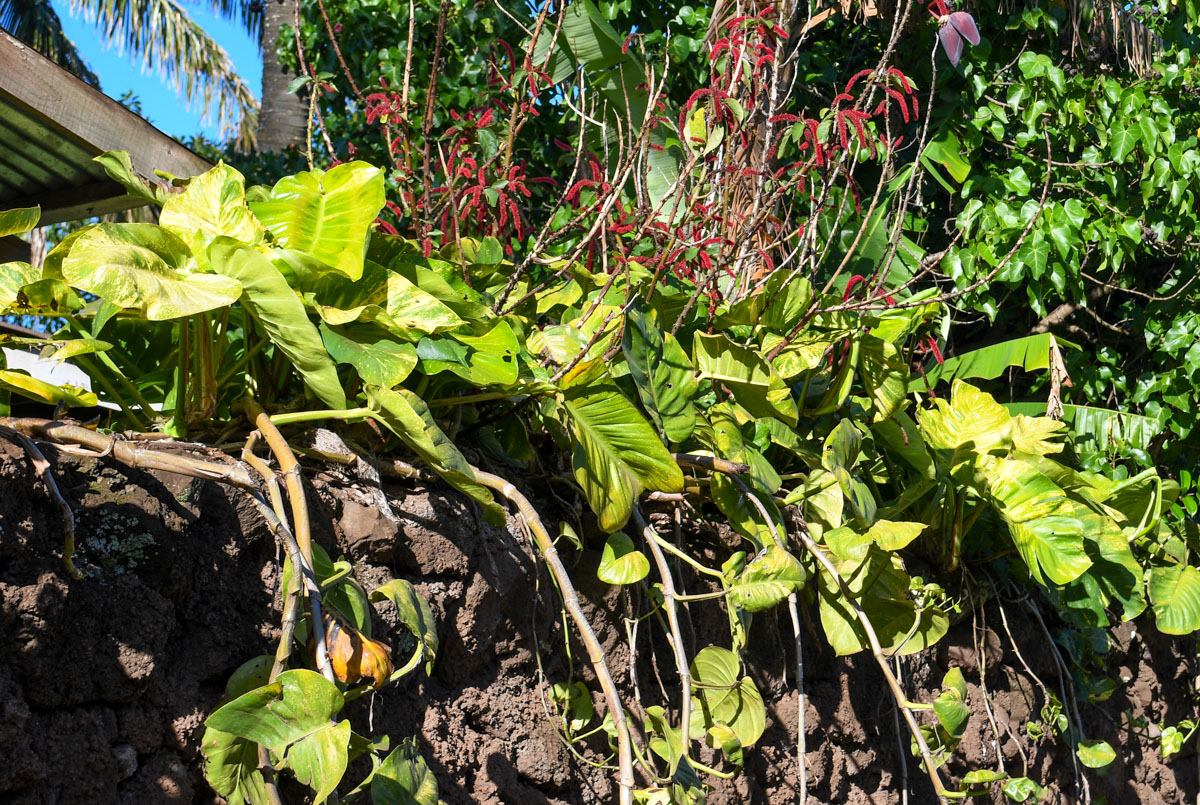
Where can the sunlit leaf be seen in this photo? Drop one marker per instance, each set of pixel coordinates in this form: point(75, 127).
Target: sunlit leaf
point(144, 267)
point(620, 562)
point(379, 359)
point(755, 386)
point(1040, 519)
point(407, 415)
point(213, 205)
point(721, 697)
point(1175, 596)
point(19, 220)
point(281, 314)
point(616, 454)
point(768, 579)
point(325, 213)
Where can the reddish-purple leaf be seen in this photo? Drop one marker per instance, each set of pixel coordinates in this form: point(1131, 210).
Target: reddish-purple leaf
point(964, 23)
point(952, 43)
point(956, 29)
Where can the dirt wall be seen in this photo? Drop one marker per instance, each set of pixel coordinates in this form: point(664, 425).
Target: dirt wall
point(105, 682)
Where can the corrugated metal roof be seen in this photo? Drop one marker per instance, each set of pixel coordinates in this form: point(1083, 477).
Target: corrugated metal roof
point(52, 125)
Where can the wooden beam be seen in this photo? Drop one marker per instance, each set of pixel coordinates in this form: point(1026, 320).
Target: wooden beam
point(77, 203)
point(85, 115)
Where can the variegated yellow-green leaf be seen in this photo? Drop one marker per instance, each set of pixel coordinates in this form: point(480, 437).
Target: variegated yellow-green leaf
point(119, 168)
point(13, 277)
point(213, 205)
point(379, 359)
point(46, 297)
point(880, 585)
point(19, 221)
point(884, 375)
point(1035, 434)
point(620, 562)
point(770, 578)
point(403, 778)
point(1040, 518)
point(755, 386)
point(970, 420)
point(615, 452)
point(415, 614)
point(486, 359)
point(292, 718)
point(281, 314)
point(22, 383)
point(407, 415)
point(722, 698)
point(662, 373)
point(146, 268)
point(231, 768)
point(325, 213)
point(1175, 595)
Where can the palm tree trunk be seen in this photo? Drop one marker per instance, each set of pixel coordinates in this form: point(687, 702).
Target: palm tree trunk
point(282, 117)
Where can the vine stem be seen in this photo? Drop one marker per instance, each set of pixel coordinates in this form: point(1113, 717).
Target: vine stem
point(586, 633)
point(42, 467)
point(669, 598)
point(880, 659)
point(289, 468)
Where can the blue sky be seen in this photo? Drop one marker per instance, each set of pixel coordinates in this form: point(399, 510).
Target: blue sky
point(160, 105)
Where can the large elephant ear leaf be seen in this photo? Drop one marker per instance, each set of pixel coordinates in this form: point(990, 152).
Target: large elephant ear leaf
point(327, 214)
point(146, 268)
point(406, 415)
point(276, 307)
point(615, 452)
point(214, 204)
point(1040, 518)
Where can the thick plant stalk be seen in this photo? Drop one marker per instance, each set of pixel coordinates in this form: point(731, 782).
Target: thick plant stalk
point(710, 463)
point(290, 469)
point(881, 660)
point(681, 661)
point(126, 453)
point(586, 634)
point(42, 467)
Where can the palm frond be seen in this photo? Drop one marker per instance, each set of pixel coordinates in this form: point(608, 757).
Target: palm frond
point(246, 12)
point(168, 40)
point(36, 23)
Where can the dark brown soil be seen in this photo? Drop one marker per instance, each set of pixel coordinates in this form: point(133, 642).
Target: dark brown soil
point(105, 682)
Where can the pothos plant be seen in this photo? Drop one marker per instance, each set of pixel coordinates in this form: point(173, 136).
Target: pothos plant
point(719, 312)
point(290, 295)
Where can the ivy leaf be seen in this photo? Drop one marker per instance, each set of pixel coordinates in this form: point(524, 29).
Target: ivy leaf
point(1122, 140)
point(620, 562)
point(951, 704)
point(403, 778)
point(662, 373)
point(415, 614)
point(884, 375)
point(615, 452)
point(18, 382)
point(292, 718)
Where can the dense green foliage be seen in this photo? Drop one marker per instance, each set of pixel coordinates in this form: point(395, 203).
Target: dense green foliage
point(733, 296)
